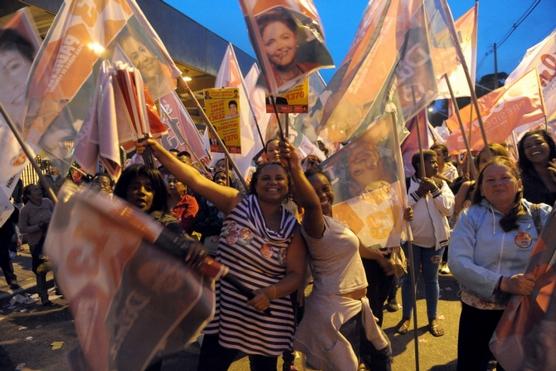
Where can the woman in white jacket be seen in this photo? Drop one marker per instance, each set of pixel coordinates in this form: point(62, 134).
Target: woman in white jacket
point(489, 251)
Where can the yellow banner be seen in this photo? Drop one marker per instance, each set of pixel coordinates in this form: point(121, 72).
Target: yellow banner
point(294, 100)
point(222, 108)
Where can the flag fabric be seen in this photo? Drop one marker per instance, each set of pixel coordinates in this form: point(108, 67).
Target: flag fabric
point(308, 123)
point(257, 96)
point(467, 30)
point(130, 300)
point(229, 76)
point(120, 115)
point(526, 333)
point(288, 39)
point(400, 47)
point(62, 79)
point(368, 191)
point(410, 145)
point(502, 110)
point(182, 132)
point(542, 57)
point(22, 31)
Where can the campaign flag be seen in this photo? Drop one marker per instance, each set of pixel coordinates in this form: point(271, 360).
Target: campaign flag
point(120, 115)
point(182, 132)
point(130, 300)
point(526, 333)
point(502, 110)
point(542, 57)
point(63, 76)
point(400, 46)
point(368, 191)
point(288, 38)
point(230, 76)
point(20, 30)
point(466, 28)
point(257, 97)
point(410, 145)
point(308, 123)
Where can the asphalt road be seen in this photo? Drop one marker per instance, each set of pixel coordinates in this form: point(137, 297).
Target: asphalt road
point(33, 337)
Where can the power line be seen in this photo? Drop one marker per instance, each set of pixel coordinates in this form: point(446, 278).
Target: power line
point(514, 27)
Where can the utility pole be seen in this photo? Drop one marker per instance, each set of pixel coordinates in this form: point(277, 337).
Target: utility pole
point(495, 67)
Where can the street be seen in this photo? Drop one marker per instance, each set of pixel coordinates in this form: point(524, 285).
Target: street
point(33, 337)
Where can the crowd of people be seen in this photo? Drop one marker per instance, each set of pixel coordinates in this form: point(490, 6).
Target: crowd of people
point(317, 289)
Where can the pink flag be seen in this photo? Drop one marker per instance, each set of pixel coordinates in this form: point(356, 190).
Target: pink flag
point(410, 145)
point(130, 300)
point(288, 38)
point(502, 110)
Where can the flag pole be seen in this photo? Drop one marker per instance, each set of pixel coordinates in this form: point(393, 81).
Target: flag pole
point(460, 122)
point(213, 130)
point(461, 58)
point(409, 236)
point(28, 153)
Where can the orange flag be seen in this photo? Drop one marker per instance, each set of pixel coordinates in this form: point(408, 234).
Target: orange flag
point(62, 79)
point(503, 110)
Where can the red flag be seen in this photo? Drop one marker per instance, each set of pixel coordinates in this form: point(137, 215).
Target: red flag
point(288, 38)
point(130, 300)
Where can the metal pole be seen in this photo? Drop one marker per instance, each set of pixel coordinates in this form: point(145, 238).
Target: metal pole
point(213, 130)
point(461, 57)
point(460, 122)
point(28, 153)
point(409, 236)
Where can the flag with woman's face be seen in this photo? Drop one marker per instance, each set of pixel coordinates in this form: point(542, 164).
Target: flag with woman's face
point(62, 79)
point(288, 38)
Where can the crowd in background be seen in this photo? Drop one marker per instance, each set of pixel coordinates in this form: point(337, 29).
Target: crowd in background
point(279, 237)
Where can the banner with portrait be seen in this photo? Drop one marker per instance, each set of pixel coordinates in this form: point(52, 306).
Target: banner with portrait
point(288, 39)
point(368, 192)
point(222, 108)
point(62, 79)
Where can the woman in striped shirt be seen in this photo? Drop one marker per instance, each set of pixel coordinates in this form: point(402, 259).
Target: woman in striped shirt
point(261, 245)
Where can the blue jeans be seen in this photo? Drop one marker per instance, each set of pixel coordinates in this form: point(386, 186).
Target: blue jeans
point(427, 260)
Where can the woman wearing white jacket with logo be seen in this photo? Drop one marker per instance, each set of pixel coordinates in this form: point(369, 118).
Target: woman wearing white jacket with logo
point(489, 251)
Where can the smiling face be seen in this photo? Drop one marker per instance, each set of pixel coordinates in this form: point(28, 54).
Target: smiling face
point(14, 69)
point(323, 188)
point(280, 43)
point(143, 60)
point(272, 184)
point(536, 149)
point(500, 185)
point(140, 193)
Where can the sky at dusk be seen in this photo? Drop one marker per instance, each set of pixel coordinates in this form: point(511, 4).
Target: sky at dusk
point(341, 18)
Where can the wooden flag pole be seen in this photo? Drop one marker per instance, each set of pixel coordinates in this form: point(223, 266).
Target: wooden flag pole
point(213, 130)
point(453, 34)
point(409, 236)
point(28, 153)
point(460, 122)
